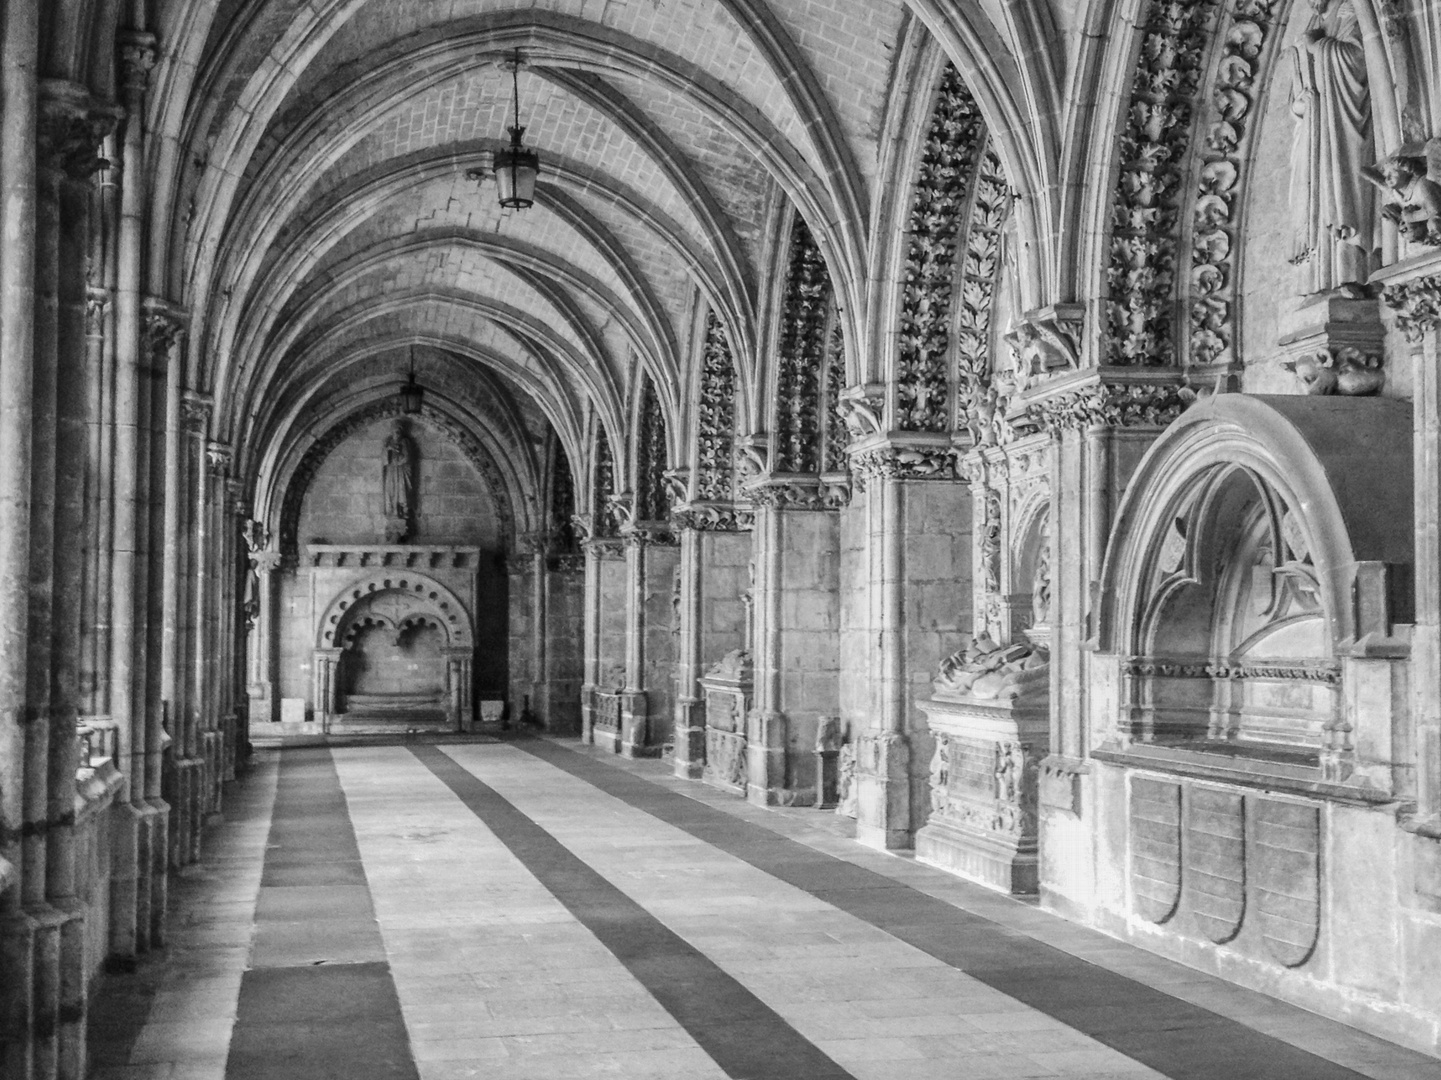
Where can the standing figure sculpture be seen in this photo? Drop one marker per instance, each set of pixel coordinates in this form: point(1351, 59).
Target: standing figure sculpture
point(397, 476)
point(1331, 203)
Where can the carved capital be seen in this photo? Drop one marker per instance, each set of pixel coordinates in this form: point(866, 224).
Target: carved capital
point(1112, 404)
point(137, 58)
point(218, 455)
point(195, 411)
point(164, 324)
point(902, 462)
point(790, 493)
point(69, 128)
point(266, 562)
point(713, 517)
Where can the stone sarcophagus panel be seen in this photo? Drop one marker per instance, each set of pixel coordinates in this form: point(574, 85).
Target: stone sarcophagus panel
point(727, 690)
point(983, 791)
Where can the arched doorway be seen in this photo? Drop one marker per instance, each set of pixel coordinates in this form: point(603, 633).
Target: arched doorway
point(396, 647)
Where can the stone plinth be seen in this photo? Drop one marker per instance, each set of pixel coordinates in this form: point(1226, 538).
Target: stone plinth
point(727, 690)
point(983, 789)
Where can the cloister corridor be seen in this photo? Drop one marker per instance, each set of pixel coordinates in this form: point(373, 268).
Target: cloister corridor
point(533, 910)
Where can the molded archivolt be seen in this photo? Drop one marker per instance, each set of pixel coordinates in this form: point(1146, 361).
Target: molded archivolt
point(425, 602)
point(1339, 469)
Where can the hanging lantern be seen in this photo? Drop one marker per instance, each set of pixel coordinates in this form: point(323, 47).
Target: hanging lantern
point(516, 167)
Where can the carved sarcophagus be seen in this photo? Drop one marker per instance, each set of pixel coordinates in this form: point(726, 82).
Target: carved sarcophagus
point(989, 719)
point(727, 689)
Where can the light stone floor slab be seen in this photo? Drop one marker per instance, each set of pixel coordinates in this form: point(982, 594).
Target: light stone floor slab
point(839, 981)
point(496, 979)
point(187, 1026)
point(834, 835)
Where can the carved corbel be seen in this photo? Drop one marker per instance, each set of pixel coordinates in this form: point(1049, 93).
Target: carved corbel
point(752, 457)
point(69, 128)
point(863, 409)
point(1047, 341)
point(218, 454)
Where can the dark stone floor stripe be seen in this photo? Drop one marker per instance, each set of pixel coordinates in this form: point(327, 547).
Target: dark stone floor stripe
point(318, 1000)
point(1174, 1037)
point(743, 1035)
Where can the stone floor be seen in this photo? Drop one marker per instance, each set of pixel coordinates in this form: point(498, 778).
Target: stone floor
point(535, 911)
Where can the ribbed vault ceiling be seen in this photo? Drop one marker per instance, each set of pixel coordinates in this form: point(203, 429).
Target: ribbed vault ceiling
point(320, 215)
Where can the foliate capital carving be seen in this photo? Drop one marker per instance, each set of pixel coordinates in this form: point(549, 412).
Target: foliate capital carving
point(797, 493)
point(1112, 405)
point(163, 326)
point(1417, 304)
point(218, 454)
point(714, 517)
point(195, 412)
point(137, 59)
point(69, 127)
point(900, 462)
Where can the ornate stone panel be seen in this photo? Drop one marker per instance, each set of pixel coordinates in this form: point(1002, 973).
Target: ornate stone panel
point(716, 417)
point(801, 359)
point(1215, 855)
point(1146, 213)
point(956, 139)
point(1286, 853)
point(978, 395)
point(1155, 827)
point(652, 500)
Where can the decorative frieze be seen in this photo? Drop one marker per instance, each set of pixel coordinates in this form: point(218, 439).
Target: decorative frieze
point(713, 517)
point(954, 142)
point(1115, 405)
point(905, 461)
point(715, 416)
point(1214, 242)
point(1146, 214)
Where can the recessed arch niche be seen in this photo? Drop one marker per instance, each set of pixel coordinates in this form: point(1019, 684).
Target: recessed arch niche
point(1251, 552)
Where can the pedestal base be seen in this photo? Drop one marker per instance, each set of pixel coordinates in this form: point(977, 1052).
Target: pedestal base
point(987, 858)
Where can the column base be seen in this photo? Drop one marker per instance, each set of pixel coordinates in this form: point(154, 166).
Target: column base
point(1004, 863)
point(883, 791)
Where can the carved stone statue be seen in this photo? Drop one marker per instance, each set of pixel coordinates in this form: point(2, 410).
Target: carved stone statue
point(1411, 199)
point(986, 671)
point(397, 475)
point(1333, 218)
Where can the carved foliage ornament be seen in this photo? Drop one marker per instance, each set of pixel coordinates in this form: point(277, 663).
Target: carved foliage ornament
point(1218, 198)
point(563, 535)
point(652, 500)
point(1112, 406)
point(1145, 218)
point(836, 414)
point(1417, 304)
point(979, 401)
point(603, 524)
point(802, 360)
point(716, 416)
point(954, 142)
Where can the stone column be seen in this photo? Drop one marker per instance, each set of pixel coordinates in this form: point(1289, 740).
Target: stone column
point(130, 916)
point(17, 328)
point(189, 761)
point(634, 715)
point(460, 709)
point(797, 639)
point(564, 651)
point(264, 688)
point(1412, 289)
point(323, 687)
point(606, 626)
point(715, 578)
point(908, 537)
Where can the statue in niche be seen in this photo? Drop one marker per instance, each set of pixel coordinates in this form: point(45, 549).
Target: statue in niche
point(1333, 233)
point(397, 476)
point(1410, 198)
